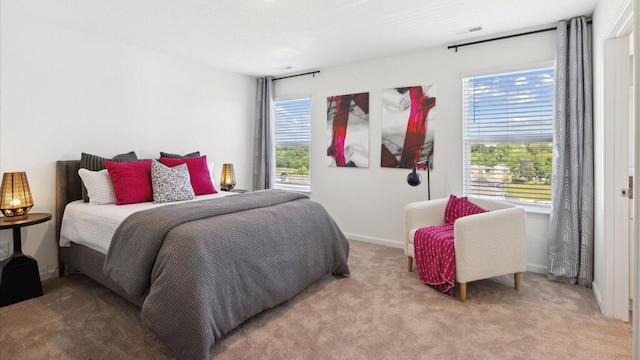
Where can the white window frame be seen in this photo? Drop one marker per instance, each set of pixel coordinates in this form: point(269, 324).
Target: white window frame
point(543, 208)
point(292, 186)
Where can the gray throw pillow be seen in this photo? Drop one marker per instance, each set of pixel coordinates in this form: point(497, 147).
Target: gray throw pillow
point(176, 156)
point(96, 163)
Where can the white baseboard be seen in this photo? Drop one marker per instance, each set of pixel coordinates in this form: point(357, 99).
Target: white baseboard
point(540, 269)
point(375, 240)
point(595, 287)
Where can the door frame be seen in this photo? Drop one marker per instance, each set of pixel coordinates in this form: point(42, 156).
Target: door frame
point(614, 296)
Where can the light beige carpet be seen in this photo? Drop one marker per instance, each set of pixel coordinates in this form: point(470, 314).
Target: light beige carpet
point(380, 312)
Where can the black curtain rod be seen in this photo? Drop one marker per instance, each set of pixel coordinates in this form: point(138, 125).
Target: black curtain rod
point(504, 37)
point(290, 76)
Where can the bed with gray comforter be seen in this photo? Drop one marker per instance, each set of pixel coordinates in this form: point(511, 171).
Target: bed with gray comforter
point(211, 266)
point(208, 266)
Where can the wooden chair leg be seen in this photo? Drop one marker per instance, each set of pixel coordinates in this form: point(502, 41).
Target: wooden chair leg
point(463, 292)
point(516, 281)
point(410, 264)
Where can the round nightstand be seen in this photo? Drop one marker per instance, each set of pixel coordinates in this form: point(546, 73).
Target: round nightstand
point(20, 276)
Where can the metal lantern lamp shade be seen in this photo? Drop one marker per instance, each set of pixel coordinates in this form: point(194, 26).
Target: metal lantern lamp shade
point(228, 178)
point(16, 200)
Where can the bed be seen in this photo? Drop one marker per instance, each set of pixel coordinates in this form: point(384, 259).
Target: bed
point(198, 269)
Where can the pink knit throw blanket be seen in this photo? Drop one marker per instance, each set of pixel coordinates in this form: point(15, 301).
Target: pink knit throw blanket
point(435, 258)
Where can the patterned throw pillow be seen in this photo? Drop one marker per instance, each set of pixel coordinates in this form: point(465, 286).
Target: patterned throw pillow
point(96, 163)
point(170, 183)
point(99, 186)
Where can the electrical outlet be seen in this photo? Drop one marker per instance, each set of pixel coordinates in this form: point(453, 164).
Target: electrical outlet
point(4, 249)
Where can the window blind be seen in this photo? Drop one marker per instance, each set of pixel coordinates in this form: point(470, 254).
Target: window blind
point(508, 134)
point(293, 139)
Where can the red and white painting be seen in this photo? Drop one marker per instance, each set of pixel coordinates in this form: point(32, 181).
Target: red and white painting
point(408, 126)
point(348, 130)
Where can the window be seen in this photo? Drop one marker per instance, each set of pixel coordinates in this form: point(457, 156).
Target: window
point(508, 124)
point(293, 141)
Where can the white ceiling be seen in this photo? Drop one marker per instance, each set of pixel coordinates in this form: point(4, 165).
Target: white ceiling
point(275, 37)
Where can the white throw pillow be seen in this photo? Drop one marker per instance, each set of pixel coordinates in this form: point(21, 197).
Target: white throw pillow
point(99, 186)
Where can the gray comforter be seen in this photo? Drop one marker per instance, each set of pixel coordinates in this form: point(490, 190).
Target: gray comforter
point(208, 266)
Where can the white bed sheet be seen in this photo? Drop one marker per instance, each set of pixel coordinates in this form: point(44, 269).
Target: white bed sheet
point(93, 225)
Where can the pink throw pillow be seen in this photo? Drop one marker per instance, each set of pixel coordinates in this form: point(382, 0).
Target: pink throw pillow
point(466, 208)
point(449, 212)
point(198, 171)
point(131, 181)
point(460, 207)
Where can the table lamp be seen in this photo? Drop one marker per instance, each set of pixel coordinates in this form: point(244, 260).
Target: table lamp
point(228, 178)
point(15, 200)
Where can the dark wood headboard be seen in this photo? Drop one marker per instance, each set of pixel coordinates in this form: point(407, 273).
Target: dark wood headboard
point(68, 189)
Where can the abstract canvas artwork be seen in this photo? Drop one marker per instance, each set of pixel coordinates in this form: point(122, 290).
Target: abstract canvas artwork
point(408, 124)
point(348, 130)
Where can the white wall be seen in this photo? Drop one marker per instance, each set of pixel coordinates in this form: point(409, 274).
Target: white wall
point(368, 203)
point(65, 92)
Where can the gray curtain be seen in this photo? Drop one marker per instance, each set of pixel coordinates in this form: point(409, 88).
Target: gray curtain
point(264, 156)
point(570, 245)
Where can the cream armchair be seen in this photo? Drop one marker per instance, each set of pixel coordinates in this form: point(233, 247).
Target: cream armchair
point(486, 245)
